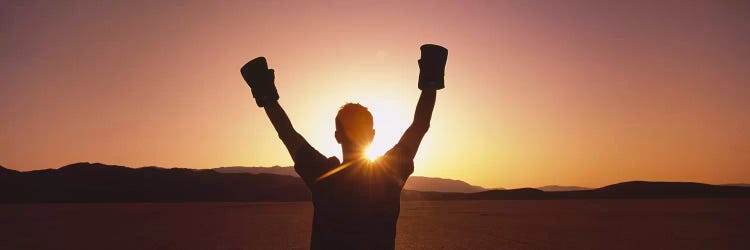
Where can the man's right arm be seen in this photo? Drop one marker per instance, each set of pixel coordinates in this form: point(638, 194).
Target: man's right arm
point(291, 139)
point(261, 81)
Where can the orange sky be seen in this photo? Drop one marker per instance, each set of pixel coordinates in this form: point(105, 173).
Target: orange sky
point(538, 92)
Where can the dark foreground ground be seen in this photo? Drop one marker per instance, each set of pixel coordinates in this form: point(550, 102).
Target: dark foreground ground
point(551, 224)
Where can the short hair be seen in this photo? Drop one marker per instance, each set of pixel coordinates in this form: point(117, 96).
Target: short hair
point(355, 121)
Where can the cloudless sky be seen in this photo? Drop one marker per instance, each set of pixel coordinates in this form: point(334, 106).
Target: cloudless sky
point(537, 92)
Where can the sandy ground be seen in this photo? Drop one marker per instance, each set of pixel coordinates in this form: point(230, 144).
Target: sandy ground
point(564, 224)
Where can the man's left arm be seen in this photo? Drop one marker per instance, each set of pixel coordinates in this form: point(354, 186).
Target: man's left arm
point(431, 79)
point(413, 136)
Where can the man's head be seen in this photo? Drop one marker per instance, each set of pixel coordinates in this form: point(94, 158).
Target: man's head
point(354, 126)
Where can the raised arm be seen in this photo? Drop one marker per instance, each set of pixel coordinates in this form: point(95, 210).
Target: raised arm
point(421, 123)
point(292, 140)
point(431, 79)
point(261, 81)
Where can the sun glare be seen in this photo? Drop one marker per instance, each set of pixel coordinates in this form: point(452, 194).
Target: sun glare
point(391, 113)
point(389, 124)
point(371, 154)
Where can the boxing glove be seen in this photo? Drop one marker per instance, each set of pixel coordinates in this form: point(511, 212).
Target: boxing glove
point(261, 80)
point(432, 67)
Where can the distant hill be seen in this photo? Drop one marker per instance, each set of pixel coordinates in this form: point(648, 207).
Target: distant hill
point(418, 183)
point(510, 194)
point(556, 188)
point(4, 170)
point(647, 189)
point(96, 182)
point(421, 183)
point(625, 190)
point(737, 184)
point(258, 170)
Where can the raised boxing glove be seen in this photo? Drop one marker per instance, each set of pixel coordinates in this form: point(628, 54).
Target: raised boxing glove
point(432, 67)
point(261, 80)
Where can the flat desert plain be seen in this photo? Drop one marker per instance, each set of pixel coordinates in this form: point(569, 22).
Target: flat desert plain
point(506, 224)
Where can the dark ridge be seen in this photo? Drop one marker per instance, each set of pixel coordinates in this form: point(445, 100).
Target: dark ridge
point(96, 182)
point(258, 170)
point(435, 184)
point(556, 188)
point(418, 183)
point(736, 185)
point(4, 170)
point(509, 194)
point(421, 195)
point(648, 189)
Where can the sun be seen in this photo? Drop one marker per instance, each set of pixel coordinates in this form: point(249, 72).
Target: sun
point(389, 124)
point(372, 154)
point(392, 115)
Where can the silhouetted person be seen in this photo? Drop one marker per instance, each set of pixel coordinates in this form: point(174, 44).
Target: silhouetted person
point(356, 201)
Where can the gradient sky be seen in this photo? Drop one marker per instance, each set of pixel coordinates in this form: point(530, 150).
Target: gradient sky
point(538, 92)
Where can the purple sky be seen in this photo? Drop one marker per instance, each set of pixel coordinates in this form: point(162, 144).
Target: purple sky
point(538, 92)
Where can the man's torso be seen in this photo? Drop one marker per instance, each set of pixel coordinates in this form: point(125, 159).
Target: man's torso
point(358, 205)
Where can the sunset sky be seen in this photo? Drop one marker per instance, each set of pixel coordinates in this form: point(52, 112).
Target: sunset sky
point(582, 93)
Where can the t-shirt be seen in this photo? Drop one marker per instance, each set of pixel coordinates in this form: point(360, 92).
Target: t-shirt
point(356, 203)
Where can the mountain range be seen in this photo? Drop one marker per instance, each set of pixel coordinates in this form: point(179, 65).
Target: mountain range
point(556, 188)
point(96, 182)
point(417, 183)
